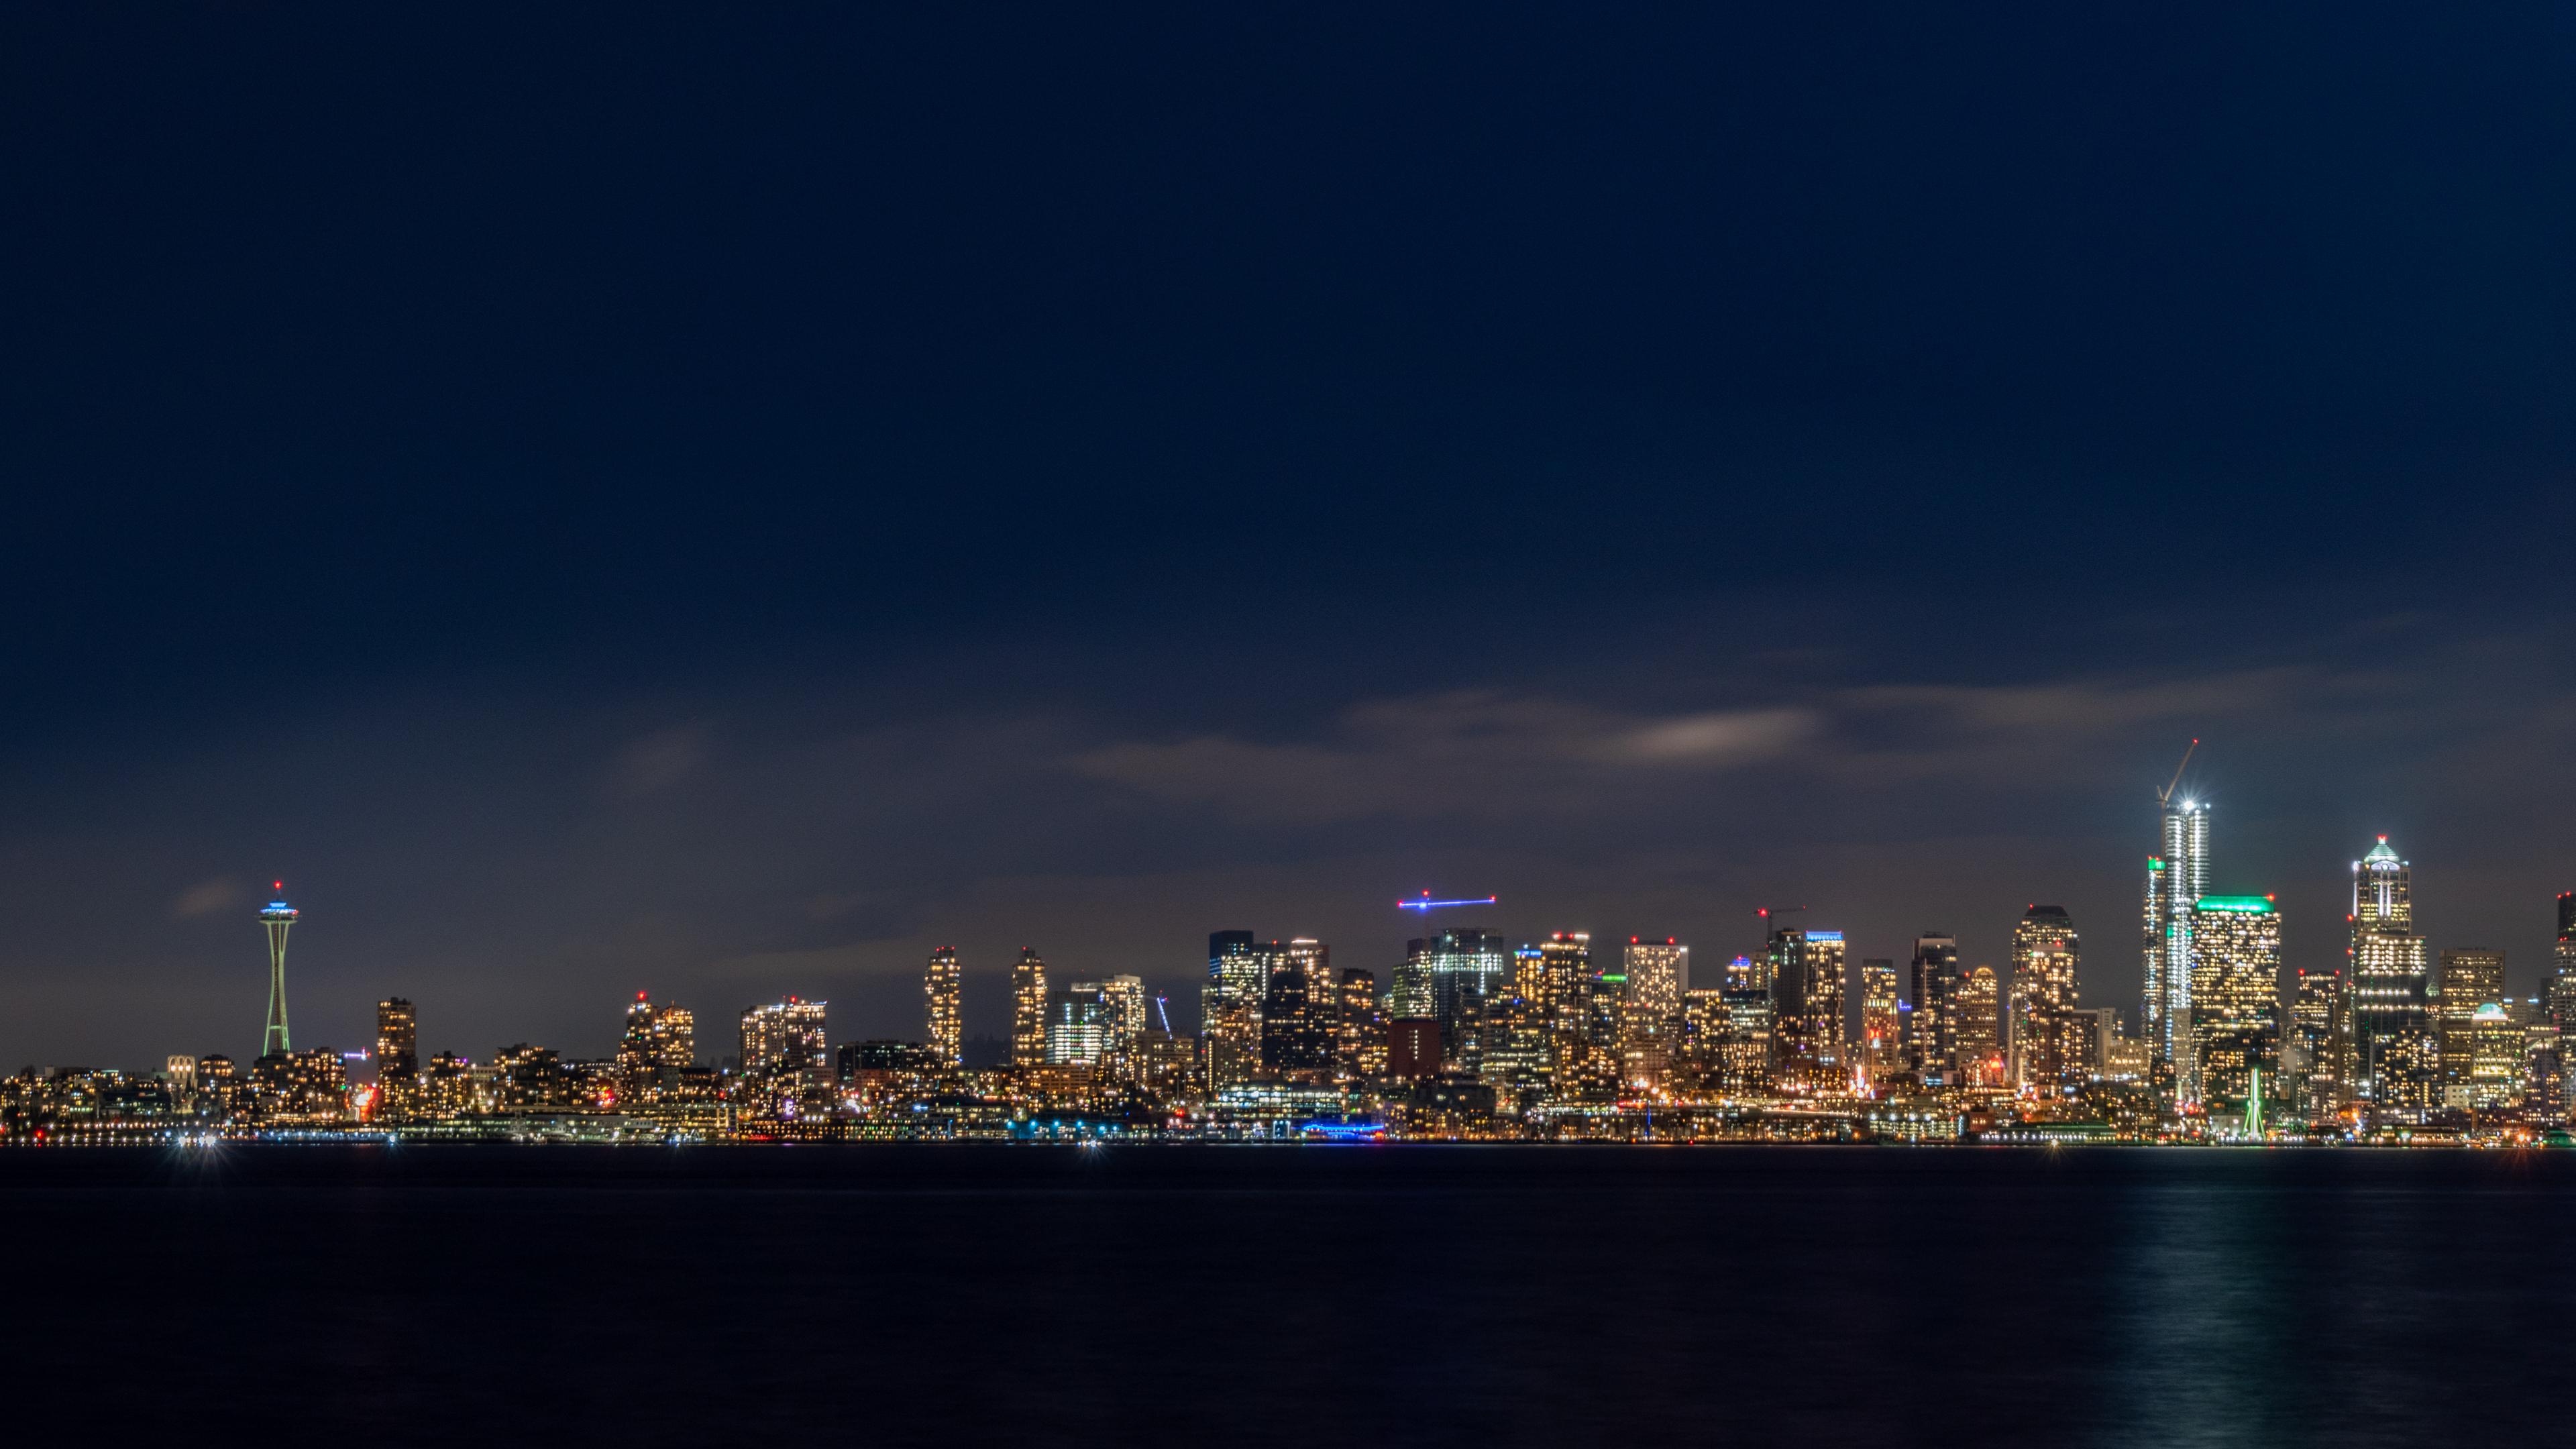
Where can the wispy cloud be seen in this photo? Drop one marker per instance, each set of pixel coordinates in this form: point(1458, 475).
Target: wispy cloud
point(207, 897)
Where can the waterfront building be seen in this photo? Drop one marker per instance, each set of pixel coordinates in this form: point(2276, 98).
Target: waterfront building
point(1028, 1009)
point(1806, 972)
point(1931, 1012)
point(1978, 1029)
point(1300, 1012)
point(2235, 1000)
point(2464, 982)
point(2044, 956)
point(943, 988)
point(2395, 1054)
point(1881, 1054)
point(2177, 877)
point(300, 1089)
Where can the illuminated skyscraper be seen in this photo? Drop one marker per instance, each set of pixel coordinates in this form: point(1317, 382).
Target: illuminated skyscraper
point(1467, 967)
point(1806, 970)
point(1978, 1027)
point(1125, 997)
point(2395, 1058)
point(397, 1042)
point(276, 917)
point(2468, 981)
point(2235, 1000)
point(1028, 1009)
point(2176, 880)
point(1080, 1026)
point(1230, 1007)
point(2312, 1044)
point(1300, 1011)
point(1359, 1050)
point(1881, 1055)
point(1931, 1013)
point(2560, 995)
point(943, 992)
point(786, 1039)
point(1657, 973)
point(2044, 1038)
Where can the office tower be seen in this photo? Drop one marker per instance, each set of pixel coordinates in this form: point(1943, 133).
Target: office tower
point(276, 918)
point(2559, 996)
point(1079, 1025)
point(785, 1039)
point(1125, 997)
point(1931, 1014)
point(2095, 1041)
point(1359, 1050)
point(943, 989)
point(397, 1043)
point(2235, 1001)
point(1657, 973)
point(675, 1038)
point(1028, 1009)
point(2176, 879)
point(1806, 970)
point(2312, 1044)
point(1880, 1053)
point(2495, 1058)
point(2395, 1058)
point(2045, 951)
point(1979, 1028)
point(1230, 1007)
point(1726, 1042)
point(1467, 967)
point(2466, 981)
point(1413, 999)
point(1300, 1011)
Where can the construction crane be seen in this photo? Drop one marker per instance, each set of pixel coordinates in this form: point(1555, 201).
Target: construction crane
point(1767, 912)
point(1165, 1012)
point(2164, 798)
point(1426, 904)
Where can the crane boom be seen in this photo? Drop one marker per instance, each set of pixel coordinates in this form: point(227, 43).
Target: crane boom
point(2166, 797)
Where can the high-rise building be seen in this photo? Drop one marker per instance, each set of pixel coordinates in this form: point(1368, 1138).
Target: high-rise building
point(1806, 970)
point(1359, 1049)
point(2559, 997)
point(1979, 1028)
point(1650, 1016)
point(276, 917)
point(397, 1043)
point(1931, 1013)
point(1028, 1009)
point(1881, 1055)
point(1467, 967)
point(786, 1039)
point(2176, 879)
point(2395, 1056)
point(2495, 1052)
point(1230, 1007)
point(2466, 981)
point(1301, 1011)
point(2312, 1044)
point(1081, 1023)
point(2235, 1000)
point(2044, 1040)
point(943, 992)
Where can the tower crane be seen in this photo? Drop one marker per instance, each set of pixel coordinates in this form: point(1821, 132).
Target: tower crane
point(2164, 797)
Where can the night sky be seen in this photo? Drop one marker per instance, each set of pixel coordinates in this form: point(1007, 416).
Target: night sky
point(721, 501)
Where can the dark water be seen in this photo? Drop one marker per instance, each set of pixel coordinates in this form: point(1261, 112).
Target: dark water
point(1319, 1296)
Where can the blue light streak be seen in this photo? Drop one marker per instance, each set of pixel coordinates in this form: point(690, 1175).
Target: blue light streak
point(1432, 905)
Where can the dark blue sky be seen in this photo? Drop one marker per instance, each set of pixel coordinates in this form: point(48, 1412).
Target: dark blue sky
point(721, 502)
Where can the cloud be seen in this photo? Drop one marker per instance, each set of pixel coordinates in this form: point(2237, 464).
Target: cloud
point(1471, 752)
point(657, 762)
point(207, 897)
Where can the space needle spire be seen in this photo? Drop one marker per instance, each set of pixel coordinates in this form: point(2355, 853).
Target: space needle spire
point(276, 917)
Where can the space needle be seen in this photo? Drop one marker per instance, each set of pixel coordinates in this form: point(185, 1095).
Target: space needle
point(276, 917)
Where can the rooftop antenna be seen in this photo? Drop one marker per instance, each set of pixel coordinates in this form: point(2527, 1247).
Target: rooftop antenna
point(2165, 798)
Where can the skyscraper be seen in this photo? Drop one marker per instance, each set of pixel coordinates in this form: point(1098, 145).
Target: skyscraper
point(1230, 1007)
point(2560, 995)
point(1300, 1012)
point(1079, 1026)
point(1978, 1027)
point(2312, 1044)
point(276, 917)
point(1359, 1049)
point(2176, 880)
point(943, 992)
point(1881, 1056)
point(397, 1043)
point(1028, 1009)
point(1658, 972)
point(2235, 1000)
point(2395, 1059)
point(1806, 970)
point(1466, 967)
point(2045, 1050)
point(784, 1039)
point(2468, 980)
point(1931, 1015)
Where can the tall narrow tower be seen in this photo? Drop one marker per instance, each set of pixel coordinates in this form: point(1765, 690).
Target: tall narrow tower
point(277, 917)
point(940, 987)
